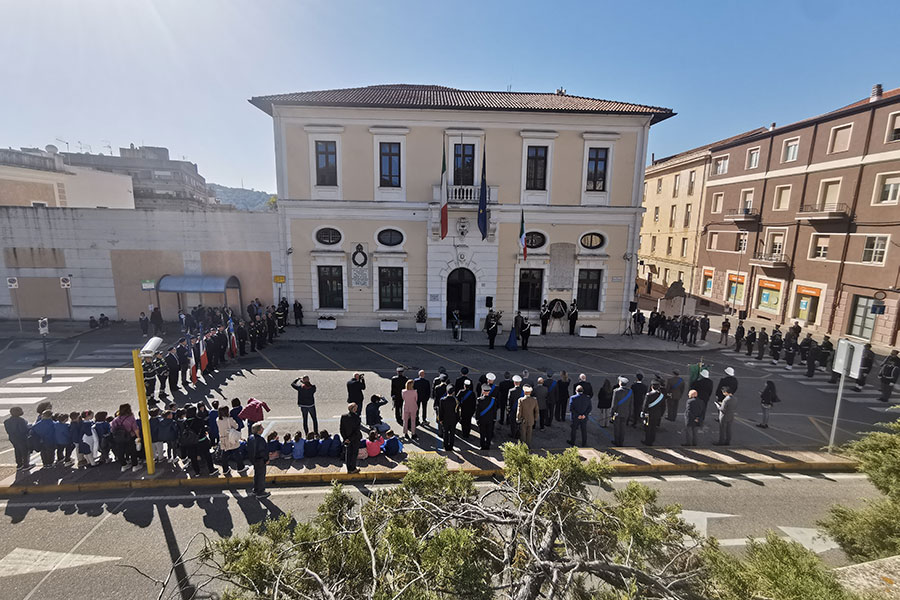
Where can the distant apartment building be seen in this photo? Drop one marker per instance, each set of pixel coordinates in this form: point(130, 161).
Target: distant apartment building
point(159, 182)
point(802, 222)
point(39, 178)
point(673, 207)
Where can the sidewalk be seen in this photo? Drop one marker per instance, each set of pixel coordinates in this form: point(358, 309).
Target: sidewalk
point(627, 461)
point(60, 329)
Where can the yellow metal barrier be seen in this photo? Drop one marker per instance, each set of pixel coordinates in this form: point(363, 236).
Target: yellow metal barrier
point(143, 411)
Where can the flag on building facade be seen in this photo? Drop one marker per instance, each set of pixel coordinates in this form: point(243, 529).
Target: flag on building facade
point(522, 236)
point(445, 210)
point(482, 199)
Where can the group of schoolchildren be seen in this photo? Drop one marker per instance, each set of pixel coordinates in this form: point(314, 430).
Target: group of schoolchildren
point(322, 444)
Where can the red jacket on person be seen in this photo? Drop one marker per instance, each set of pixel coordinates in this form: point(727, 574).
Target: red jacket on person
point(254, 410)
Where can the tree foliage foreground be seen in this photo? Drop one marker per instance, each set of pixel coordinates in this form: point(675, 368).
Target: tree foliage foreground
point(539, 533)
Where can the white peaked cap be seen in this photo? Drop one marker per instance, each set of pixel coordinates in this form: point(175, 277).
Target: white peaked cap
point(729, 371)
point(491, 377)
point(467, 382)
point(517, 379)
point(704, 373)
point(623, 380)
point(526, 389)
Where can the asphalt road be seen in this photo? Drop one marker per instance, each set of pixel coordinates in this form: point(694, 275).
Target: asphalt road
point(94, 372)
point(49, 548)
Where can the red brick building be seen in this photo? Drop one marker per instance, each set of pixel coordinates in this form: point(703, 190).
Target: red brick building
point(802, 222)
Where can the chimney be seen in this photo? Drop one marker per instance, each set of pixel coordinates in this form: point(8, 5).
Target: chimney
point(652, 158)
point(560, 91)
point(876, 93)
point(772, 126)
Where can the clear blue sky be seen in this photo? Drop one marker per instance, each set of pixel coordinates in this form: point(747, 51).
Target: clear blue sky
point(178, 73)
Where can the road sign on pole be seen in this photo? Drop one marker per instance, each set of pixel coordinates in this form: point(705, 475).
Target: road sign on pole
point(847, 361)
point(12, 283)
point(65, 282)
point(148, 285)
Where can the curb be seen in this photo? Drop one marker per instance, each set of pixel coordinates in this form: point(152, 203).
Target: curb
point(388, 475)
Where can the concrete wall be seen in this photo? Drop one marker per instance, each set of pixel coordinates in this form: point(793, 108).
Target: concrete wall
point(107, 254)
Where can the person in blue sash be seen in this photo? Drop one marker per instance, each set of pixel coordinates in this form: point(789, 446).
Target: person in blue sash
point(621, 407)
point(652, 412)
point(486, 412)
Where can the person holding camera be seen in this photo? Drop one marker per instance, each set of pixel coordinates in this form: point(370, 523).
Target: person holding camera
point(355, 388)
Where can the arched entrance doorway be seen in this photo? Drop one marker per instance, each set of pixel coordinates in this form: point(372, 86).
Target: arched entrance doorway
point(461, 296)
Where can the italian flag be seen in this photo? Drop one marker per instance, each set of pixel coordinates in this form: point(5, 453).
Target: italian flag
point(445, 211)
point(522, 236)
point(193, 364)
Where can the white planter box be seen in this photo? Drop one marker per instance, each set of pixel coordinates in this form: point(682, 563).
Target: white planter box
point(535, 329)
point(390, 325)
point(420, 327)
point(585, 331)
point(326, 323)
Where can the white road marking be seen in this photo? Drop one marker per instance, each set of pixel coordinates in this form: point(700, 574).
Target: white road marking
point(77, 342)
point(23, 400)
point(35, 390)
point(811, 539)
point(21, 561)
point(6, 347)
point(72, 371)
point(700, 519)
point(32, 380)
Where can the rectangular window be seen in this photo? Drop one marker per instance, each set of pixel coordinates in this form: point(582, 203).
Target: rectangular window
point(588, 297)
point(331, 287)
point(464, 164)
point(782, 197)
point(684, 244)
point(666, 276)
point(531, 288)
point(656, 214)
point(673, 214)
point(680, 275)
point(596, 169)
point(752, 158)
point(790, 150)
point(713, 241)
point(687, 215)
point(775, 243)
point(652, 243)
point(820, 247)
point(669, 247)
point(326, 163)
point(746, 199)
point(720, 165)
point(536, 168)
point(829, 194)
point(862, 321)
point(692, 176)
point(659, 185)
point(390, 288)
point(893, 131)
point(890, 190)
point(717, 201)
point(677, 185)
point(707, 284)
point(390, 164)
point(876, 246)
point(840, 139)
point(741, 242)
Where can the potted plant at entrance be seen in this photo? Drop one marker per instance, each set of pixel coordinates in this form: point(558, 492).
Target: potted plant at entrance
point(421, 318)
point(326, 322)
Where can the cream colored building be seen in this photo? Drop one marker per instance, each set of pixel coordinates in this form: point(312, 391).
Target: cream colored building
point(39, 178)
point(359, 174)
point(673, 205)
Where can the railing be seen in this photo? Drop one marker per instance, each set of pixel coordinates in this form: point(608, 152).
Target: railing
point(829, 207)
point(465, 194)
point(742, 212)
point(770, 257)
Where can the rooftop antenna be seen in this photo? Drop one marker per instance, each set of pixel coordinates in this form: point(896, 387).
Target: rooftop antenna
point(108, 146)
point(62, 141)
point(508, 87)
point(80, 146)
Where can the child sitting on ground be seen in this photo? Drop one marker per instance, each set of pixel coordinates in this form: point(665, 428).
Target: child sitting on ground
point(373, 444)
point(274, 446)
point(311, 445)
point(299, 446)
point(324, 443)
point(392, 444)
point(287, 447)
point(373, 413)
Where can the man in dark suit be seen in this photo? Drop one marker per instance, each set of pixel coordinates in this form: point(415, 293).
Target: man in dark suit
point(258, 453)
point(639, 390)
point(447, 417)
point(350, 432)
point(184, 360)
point(355, 389)
point(241, 334)
point(423, 393)
point(573, 316)
point(398, 384)
point(173, 369)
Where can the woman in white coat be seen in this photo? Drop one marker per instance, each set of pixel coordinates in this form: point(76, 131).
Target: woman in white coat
point(229, 441)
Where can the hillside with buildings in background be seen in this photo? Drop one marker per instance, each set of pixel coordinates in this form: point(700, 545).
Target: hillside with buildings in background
point(242, 198)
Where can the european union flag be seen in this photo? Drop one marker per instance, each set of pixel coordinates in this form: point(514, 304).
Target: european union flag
point(482, 200)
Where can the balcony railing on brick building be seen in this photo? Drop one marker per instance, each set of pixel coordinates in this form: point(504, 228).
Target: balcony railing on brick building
point(823, 212)
point(742, 214)
point(769, 259)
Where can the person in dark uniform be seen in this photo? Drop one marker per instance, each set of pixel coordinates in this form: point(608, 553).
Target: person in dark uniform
point(261, 332)
point(703, 385)
point(438, 390)
point(545, 317)
point(352, 435)
point(812, 351)
point(162, 372)
point(652, 411)
point(790, 349)
point(525, 332)
point(704, 326)
point(621, 409)
point(739, 336)
point(241, 334)
point(491, 330)
point(423, 394)
point(804, 348)
point(674, 391)
point(639, 390)
point(212, 351)
point(398, 384)
point(865, 367)
point(750, 340)
point(573, 315)
point(184, 360)
point(258, 454)
point(149, 377)
point(447, 417)
point(762, 342)
point(223, 343)
point(517, 323)
point(460, 381)
point(486, 412)
point(298, 313)
point(280, 318)
point(251, 335)
point(503, 396)
point(776, 344)
point(271, 328)
point(173, 368)
point(826, 349)
point(466, 400)
point(729, 381)
point(888, 375)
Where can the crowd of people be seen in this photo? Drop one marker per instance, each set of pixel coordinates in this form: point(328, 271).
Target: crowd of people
point(684, 329)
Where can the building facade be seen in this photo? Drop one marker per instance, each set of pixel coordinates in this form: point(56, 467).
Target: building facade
point(40, 178)
point(360, 197)
point(802, 222)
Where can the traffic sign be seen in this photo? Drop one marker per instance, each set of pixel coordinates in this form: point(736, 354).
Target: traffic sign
point(43, 326)
point(12, 282)
point(65, 282)
point(148, 285)
point(848, 357)
point(280, 279)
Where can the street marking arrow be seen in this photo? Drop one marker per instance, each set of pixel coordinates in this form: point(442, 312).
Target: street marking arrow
point(811, 539)
point(24, 560)
point(699, 519)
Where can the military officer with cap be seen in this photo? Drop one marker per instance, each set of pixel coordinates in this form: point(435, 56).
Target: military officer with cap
point(172, 369)
point(621, 410)
point(184, 360)
point(149, 377)
point(486, 411)
point(162, 372)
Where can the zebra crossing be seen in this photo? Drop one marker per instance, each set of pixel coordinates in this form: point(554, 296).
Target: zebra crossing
point(31, 389)
point(114, 355)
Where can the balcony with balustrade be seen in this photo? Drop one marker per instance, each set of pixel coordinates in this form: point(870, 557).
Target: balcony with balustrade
point(829, 211)
point(742, 215)
point(466, 195)
point(769, 259)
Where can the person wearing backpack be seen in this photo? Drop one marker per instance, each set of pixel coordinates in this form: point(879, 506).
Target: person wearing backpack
point(124, 432)
point(767, 398)
point(194, 440)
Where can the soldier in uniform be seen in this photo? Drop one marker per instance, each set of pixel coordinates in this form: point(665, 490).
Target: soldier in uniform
point(491, 330)
point(545, 317)
point(750, 340)
point(241, 334)
point(149, 377)
point(172, 368)
point(888, 375)
point(739, 336)
point(776, 343)
point(621, 409)
point(805, 343)
point(486, 412)
point(762, 341)
point(525, 332)
point(790, 349)
point(674, 391)
point(222, 343)
point(651, 412)
point(573, 315)
point(184, 360)
point(261, 332)
point(162, 372)
point(865, 367)
point(812, 351)
point(271, 327)
point(465, 398)
point(512, 406)
point(281, 316)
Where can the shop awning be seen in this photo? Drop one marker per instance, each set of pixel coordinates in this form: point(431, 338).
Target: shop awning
point(202, 284)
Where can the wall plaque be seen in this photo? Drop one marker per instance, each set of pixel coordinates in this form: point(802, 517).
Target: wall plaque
point(562, 266)
point(359, 266)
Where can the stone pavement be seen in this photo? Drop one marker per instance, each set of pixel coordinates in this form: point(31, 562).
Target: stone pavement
point(283, 472)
